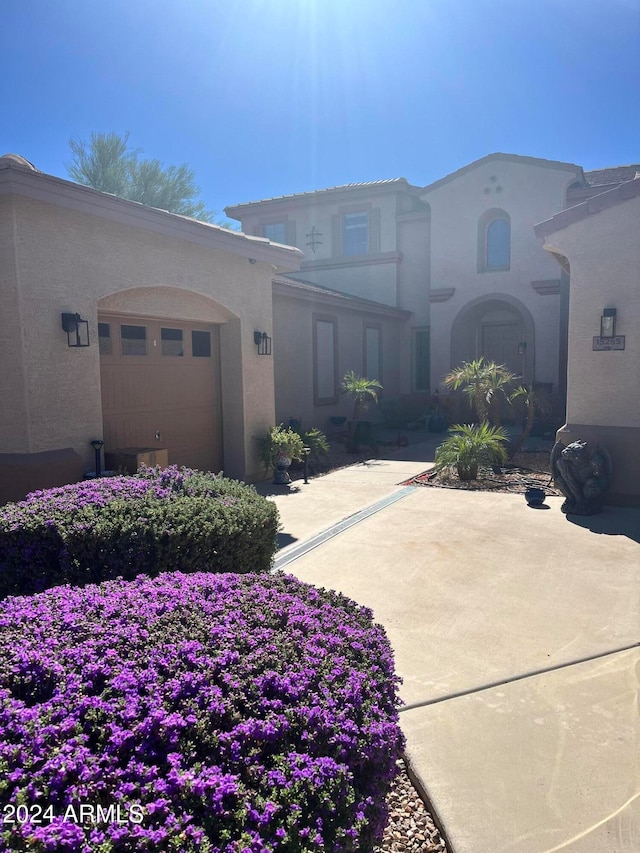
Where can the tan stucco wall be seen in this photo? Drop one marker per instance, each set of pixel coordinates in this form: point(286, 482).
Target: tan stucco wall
point(13, 411)
point(528, 193)
point(376, 281)
point(70, 260)
point(604, 254)
point(293, 356)
point(603, 388)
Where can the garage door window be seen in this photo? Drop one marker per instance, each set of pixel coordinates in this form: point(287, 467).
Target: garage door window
point(171, 342)
point(133, 340)
point(104, 338)
point(201, 344)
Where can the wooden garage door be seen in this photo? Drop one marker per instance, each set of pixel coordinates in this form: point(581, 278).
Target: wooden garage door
point(161, 388)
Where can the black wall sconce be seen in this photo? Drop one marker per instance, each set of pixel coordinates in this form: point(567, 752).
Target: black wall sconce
point(77, 330)
point(522, 348)
point(263, 342)
point(608, 323)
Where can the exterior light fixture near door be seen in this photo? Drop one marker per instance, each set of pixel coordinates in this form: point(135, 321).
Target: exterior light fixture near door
point(608, 323)
point(77, 330)
point(263, 342)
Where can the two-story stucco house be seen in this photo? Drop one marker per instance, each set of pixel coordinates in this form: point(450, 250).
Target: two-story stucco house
point(459, 258)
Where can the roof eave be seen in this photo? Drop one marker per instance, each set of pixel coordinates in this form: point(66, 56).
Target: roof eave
point(18, 180)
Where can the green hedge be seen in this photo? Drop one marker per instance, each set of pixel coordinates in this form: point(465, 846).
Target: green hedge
point(158, 520)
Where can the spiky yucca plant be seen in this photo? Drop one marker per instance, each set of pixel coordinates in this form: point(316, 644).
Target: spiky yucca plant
point(470, 445)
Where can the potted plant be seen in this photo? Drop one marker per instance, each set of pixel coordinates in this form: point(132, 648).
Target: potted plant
point(364, 392)
point(278, 448)
point(468, 446)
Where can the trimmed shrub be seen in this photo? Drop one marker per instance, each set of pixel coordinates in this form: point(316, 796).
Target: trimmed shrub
point(221, 713)
point(158, 520)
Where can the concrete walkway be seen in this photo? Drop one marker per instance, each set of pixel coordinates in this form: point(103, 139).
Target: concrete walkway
point(516, 632)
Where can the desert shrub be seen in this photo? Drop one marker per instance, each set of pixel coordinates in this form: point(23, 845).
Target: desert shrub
point(222, 713)
point(158, 520)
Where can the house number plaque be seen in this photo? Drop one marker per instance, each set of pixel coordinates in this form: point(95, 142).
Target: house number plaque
point(603, 344)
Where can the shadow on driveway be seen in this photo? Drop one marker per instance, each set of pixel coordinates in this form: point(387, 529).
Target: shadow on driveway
point(612, 521)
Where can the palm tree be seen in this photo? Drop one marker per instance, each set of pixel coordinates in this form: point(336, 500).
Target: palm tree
point(469, 446)
point(364, 391)
point(485, 384)
point(536, 402)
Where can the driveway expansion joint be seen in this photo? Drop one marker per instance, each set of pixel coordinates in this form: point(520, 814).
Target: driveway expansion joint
point(294, 552)
point(511, 679)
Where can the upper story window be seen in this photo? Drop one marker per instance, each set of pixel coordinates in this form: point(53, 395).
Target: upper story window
point(355, 234)
point(494, 241)
point(283, 231)
point(356, 231)
point(276, 231)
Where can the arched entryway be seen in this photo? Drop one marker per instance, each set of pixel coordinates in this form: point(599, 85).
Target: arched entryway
point(499, 328)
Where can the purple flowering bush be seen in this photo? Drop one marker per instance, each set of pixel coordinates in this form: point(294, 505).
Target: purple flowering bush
point(158, 520)
point(222, 713)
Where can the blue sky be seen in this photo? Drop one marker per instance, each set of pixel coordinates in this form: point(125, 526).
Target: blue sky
point(270, 97)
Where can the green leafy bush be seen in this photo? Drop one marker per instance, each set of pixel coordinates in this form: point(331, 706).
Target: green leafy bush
point(469, 446)
point(279, 438)
point(156, 521)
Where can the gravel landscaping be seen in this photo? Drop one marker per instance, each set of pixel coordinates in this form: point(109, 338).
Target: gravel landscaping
point(411, 828)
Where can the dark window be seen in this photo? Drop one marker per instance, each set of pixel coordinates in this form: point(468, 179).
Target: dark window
point(133, 340)
point(201, 344)
point(171, 341)
point(104, 338)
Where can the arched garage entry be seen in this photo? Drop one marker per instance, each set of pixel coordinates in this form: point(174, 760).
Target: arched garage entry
point(499, 328)
point(160, 374)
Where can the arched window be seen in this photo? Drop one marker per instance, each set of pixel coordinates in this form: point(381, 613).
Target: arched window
point(494, 241)
point(498, 244)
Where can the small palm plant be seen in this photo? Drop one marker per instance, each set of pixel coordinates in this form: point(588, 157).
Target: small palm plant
point(484, 383)
point(469, 446)
point(364, 392)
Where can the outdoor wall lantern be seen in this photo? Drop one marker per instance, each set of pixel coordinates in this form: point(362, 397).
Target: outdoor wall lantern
point(608, 323)
point(77, 330)
point(263, 342)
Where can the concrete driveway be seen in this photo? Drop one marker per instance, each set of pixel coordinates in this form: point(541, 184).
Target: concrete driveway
point(516, 632)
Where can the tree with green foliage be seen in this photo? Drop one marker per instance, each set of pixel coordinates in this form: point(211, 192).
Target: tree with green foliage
point(485, 384)
point(108, 163)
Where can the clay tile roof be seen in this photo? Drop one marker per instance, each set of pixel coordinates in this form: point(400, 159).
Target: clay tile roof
point(347, 298)
point(614, 175)
point(382, 184)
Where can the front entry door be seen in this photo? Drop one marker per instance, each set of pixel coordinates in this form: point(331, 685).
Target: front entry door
point(500, 344)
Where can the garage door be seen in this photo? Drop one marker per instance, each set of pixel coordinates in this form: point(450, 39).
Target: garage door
point(161, 388)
